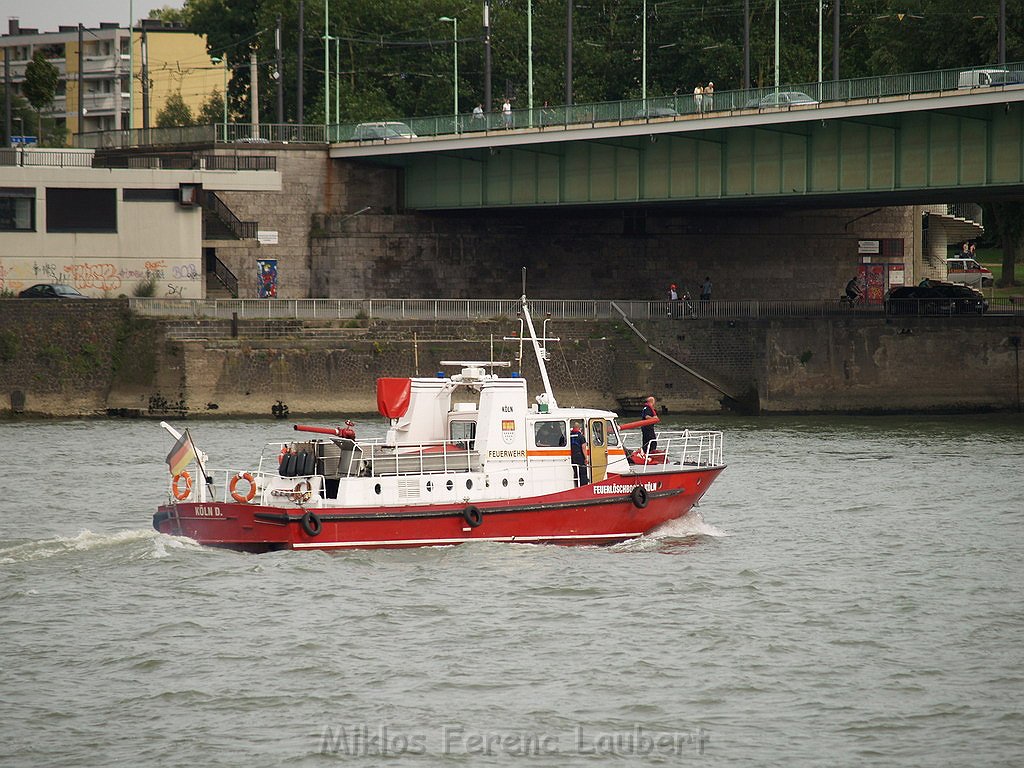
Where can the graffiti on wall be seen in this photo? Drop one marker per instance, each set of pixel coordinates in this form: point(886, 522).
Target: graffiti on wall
point(109, 278)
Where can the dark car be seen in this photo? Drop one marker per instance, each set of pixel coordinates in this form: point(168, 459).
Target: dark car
point(51, 291)
point(932, 297)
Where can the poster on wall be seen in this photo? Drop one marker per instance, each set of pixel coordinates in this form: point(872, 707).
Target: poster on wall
point(896, 275)
point(872, 277)
point(266, 278)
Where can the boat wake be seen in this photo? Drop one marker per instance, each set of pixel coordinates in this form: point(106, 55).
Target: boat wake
point(139, 544)
point(683, 532)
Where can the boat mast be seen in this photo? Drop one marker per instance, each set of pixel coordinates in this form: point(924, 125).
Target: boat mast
point(548, 396)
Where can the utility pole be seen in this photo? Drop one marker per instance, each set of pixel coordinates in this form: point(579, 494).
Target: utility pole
point(488, 106)
point(254, 95)
point(746, 45)
point(279, 73)
point(145, 78)
point(1002, 32)
point(835, 42)
point(568, 55)
point(131, 67)
point(8, 122)
point(81, 103)
point(299, 111)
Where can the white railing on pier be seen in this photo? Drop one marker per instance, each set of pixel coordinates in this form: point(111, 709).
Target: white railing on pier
point(486, 309)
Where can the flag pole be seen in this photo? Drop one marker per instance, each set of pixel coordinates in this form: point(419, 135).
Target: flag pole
point(206, 478)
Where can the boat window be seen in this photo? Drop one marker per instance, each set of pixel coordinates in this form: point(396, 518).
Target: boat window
point(549, 434)
point(463, 433)
point(613, 436)
point(597, 427)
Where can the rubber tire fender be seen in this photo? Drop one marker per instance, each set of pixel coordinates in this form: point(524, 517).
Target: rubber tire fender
point(311, 523)
point(473, 516)
point(639, 496)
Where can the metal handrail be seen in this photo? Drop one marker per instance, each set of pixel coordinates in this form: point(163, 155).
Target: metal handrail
point(660, 108)
point(474, 310)
point(243, 230)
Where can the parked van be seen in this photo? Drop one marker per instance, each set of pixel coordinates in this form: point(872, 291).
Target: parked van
point(967, 271)
point(985, 78)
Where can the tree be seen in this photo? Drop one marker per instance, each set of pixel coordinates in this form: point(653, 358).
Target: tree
point(168, 14)
point(212, 111)
point(40, 86)
point(1005, 222)
point(175, 112)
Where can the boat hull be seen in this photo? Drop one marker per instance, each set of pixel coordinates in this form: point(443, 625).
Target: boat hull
point(619, 508)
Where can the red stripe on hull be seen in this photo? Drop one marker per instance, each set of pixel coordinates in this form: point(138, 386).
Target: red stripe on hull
point(579, 516)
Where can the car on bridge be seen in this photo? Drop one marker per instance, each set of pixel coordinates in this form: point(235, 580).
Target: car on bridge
point(386, 131)
point(781, 100)
point(933, 297)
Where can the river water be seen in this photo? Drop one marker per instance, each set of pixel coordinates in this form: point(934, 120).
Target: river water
point(850, 592)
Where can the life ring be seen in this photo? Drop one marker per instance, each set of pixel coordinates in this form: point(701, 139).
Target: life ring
point(473, 516)
point(639, 496)
point(311, 523)
point(282, 454)
point(234, 484)
point(182, 493)
point(302, 492)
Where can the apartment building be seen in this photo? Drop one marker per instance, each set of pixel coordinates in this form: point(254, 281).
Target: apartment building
point(113, 64)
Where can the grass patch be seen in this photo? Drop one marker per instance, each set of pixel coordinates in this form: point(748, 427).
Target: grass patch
point(993, 259)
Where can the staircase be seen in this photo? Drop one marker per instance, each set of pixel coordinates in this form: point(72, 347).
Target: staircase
point(220, 222)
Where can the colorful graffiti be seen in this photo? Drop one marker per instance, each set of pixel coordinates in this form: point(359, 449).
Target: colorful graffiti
point(101, 278)
point(266, 278)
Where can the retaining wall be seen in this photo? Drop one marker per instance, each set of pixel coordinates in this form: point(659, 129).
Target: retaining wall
point(94, 357)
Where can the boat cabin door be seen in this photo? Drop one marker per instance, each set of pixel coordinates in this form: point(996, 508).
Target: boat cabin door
point(598, 450)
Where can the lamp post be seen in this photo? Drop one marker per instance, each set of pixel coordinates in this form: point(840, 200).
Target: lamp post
point(529, 58)
point(224, 60)
point(776, 45)
point(131, 67)
point(455, 56)
point(643, 80)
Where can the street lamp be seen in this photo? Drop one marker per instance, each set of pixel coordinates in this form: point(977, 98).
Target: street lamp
point(218, 60)
point(643, 86)
point(455, 56)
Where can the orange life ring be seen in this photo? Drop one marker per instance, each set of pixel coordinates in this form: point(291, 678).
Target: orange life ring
point(182, 493)
point(282, 454)
point(252, 488)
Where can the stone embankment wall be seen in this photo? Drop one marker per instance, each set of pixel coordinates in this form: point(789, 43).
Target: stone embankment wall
point(784, 254)
point(94, 358)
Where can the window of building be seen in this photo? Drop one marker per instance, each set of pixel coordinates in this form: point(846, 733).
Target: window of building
point(171, 196)
point(549, 434)
point(53, 50)
point(81, 210)
point(17, 209)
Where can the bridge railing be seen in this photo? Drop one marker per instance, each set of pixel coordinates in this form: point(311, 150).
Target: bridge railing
point(486, 309)
point(670, 107)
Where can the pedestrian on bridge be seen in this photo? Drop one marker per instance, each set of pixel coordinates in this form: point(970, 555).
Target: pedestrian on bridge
point(698, 97)
point(506, 113)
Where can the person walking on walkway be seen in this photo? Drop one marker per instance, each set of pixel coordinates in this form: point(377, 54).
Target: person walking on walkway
point(705, 289)
point(506, 113)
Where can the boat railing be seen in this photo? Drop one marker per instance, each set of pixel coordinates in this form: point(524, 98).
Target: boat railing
point(685, 447)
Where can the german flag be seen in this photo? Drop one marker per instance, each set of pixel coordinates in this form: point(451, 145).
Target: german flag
point(181, 454)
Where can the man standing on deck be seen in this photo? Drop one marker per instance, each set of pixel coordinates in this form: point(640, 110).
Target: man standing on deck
point(578, 452)
point(647, 433)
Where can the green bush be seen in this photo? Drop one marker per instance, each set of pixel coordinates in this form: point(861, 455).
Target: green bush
point(145, 289)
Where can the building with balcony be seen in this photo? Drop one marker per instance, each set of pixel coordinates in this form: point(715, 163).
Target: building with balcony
point(99, 74)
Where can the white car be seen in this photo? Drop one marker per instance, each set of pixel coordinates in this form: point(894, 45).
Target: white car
point(780, 100)
point(967, 271)
point(386, 131)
